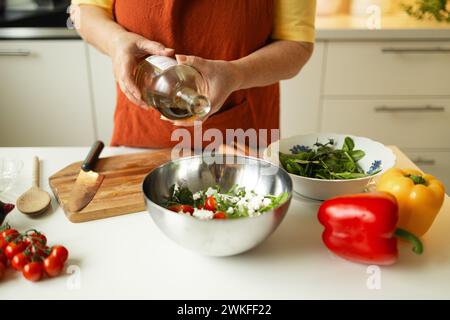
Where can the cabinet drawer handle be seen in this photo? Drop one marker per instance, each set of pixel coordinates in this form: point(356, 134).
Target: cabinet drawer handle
point(14, 53)
point(424, 162)
point(416, 50)
point(427, 108)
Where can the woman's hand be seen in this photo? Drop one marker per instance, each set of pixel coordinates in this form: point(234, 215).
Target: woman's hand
point(222, 78)
point(126, 51)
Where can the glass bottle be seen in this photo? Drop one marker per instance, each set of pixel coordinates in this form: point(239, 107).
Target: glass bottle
point(172, 88)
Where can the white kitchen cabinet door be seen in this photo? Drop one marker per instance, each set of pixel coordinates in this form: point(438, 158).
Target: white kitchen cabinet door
point(414, 123)
point(387, 68)
point(44, 94)
point(433, 162)
point(104, 93)
point(300, 97)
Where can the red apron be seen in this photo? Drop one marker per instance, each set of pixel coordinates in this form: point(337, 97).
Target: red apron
point(211, 29)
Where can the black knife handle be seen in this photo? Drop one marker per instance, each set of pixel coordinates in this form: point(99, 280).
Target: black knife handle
point(92, 157)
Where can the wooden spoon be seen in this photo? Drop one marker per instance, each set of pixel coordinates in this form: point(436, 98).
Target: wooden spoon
point(35, 201)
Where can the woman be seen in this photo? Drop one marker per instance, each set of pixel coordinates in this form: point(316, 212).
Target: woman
point(242, 49)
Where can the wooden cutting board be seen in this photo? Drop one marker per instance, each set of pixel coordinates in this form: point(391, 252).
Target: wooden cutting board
point(120, 192)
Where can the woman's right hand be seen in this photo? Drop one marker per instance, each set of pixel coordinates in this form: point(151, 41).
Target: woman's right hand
point(126, 51)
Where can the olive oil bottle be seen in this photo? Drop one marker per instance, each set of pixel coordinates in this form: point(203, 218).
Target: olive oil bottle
point(171, 88)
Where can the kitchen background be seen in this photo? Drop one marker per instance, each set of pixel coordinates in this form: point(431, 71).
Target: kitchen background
point(375, 72)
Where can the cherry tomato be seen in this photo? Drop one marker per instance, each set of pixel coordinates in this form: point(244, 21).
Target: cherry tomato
point(182, 208)
point(2, 270)
point(3, 244)
point(220, 215)
point(14, 248)
point(211, 203)
point(33, 271)
point(41, 251)
point(60, 252)
point(3, 258)
point(9, 234)
point(53, 266)
point(19, 261)
point(36, 238)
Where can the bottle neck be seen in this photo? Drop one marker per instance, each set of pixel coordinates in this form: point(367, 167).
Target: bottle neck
point(197, 104)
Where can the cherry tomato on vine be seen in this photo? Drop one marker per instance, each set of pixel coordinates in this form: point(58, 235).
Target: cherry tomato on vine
point(19, 261)
point(9, 234)
point(60, 253)
point(53, 266)
point(3, 244)
point(42, 252)
point(36, 238)
point(2, 270)
point(14, 248)
point(3, 258)
point(33, 271)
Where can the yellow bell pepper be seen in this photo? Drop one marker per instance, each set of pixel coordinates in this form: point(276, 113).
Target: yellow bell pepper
point(419, 196)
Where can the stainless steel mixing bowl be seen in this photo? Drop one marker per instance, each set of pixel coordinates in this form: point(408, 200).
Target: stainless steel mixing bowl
point(216, 237)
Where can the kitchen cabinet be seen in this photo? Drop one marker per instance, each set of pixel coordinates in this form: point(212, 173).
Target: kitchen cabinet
point(436, 163)
point(393, 91)
point(409, 123)
point(103, 92)
point(300, 97)
point(45, 98)
point(387, 68)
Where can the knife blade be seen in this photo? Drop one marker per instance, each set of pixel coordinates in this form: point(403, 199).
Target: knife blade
point(88, 181)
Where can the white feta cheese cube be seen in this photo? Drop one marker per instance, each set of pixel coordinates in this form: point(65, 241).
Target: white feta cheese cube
point(203, 214)
point(210, 191)
point(266, 202)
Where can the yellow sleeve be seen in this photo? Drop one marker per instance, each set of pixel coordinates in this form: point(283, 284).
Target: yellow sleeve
point(106, 4)
point(294, 20)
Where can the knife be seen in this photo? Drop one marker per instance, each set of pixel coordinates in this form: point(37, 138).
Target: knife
point(88, 181)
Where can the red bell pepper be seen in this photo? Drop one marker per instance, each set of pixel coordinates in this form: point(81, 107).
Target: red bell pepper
point(363, 228)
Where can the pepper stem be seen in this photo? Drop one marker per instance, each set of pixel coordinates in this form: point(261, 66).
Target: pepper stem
point(417, 179)
point(408, 236)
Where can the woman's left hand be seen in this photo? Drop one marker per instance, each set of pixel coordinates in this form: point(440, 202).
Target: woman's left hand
point(222, 78)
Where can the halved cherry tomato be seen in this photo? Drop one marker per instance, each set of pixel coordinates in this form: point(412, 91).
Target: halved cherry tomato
point(33, 271)
point(220, 215)
point(211, 203)
point(182, 208)
point(19, 261)
point(60, 252)
point(14, 248)
point(53, 266)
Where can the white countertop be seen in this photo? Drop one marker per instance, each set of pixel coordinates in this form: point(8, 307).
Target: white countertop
point(128, 257)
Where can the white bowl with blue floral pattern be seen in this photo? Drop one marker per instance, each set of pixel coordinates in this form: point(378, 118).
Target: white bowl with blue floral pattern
point(378, 158)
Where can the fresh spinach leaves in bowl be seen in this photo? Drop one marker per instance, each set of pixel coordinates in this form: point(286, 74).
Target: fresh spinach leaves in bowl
point(325, 161)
